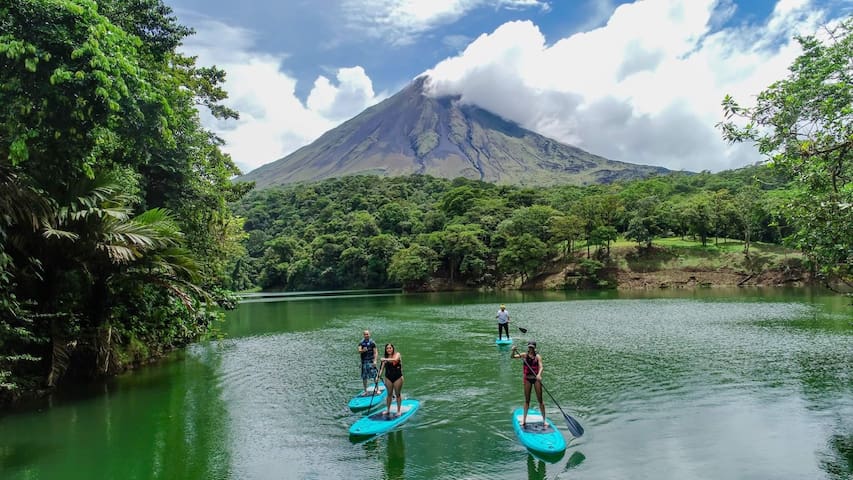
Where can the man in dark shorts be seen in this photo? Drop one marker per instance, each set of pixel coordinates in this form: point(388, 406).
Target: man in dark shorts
point(369, 356)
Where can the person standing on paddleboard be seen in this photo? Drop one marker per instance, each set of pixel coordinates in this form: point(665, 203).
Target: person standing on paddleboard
point(503, 321)
point(532, 378)
point(369, 356)
point(392, 364)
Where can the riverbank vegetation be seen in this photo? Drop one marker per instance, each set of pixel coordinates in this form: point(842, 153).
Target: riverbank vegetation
point(115, 230)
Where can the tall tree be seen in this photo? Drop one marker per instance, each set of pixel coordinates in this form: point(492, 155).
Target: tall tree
point(91, 91)
point(804, 125)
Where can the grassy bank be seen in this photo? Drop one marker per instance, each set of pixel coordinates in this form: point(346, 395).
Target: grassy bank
point(682, 262)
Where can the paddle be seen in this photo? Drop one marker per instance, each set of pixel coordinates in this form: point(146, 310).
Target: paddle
point(375, 387)
point(522, 330)
point(574, 426)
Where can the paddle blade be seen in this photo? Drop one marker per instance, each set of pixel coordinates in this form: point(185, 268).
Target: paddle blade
point(574, 426)
point(522, 330)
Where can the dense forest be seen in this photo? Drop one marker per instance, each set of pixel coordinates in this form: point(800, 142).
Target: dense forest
point(115, 229)
point(371, 232)
point(122, 233)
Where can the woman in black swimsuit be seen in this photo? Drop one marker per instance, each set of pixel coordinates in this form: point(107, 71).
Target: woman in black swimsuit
point(532, 378)
point(392, 364)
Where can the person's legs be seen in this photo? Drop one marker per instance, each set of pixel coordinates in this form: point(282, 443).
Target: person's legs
point(541, 403)
point(398, 388)
point(364, 375)
point(388, 388)
point(526, 402)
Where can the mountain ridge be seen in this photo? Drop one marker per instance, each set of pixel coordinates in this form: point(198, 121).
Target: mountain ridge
point(412, 133)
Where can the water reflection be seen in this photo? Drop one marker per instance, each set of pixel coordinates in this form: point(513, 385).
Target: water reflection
point(161, 423)
point(535, 467)
point(395, 457)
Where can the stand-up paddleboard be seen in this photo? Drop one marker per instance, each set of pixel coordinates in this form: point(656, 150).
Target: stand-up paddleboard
point(540, 438)
point(378, 423)
point(363, 401)
point(503, 341)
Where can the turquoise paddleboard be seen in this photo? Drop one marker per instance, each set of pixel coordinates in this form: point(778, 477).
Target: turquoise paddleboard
point(538, 438)
point(503, 341)
point(377, 423)
point(363, 401)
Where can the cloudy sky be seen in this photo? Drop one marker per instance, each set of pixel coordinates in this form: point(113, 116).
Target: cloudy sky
point(634, 81)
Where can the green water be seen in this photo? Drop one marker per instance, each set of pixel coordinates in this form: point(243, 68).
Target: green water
point(706, 384)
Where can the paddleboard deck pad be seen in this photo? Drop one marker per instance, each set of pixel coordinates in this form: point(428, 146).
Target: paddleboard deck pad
point(379, 423)
point(362, 400)
point(503, 341)
point(538, 437)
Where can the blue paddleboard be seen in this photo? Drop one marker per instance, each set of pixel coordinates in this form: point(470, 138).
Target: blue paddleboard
point(363, 401)
point(538, 438)
point(503, 341)
point(377, 423)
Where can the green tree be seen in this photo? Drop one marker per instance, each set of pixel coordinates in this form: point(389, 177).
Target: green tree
point(380, 249)
point(566, 228)
point(523, 255)
point(749, 210)
point(646, 222)
point(94, 94)
point(602, 236)
point(460, 245)
point(699, 214)
point(804, 125)
point(413, 266)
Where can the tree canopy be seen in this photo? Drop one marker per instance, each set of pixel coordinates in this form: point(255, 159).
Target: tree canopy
point(804, 125)
point(120, 227)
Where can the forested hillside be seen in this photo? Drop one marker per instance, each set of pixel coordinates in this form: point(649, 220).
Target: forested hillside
point(372, 232)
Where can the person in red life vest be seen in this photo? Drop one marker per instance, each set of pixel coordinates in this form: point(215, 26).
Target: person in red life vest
point(532, 378)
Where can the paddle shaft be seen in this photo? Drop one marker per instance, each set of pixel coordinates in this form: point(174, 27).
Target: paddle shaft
point(375, 387)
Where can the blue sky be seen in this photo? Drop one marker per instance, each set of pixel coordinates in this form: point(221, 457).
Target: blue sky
point(633, 81)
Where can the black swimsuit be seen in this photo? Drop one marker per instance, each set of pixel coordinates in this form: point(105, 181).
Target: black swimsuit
point(393, 370)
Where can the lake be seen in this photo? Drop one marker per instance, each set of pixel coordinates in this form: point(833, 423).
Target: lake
point(669, 384)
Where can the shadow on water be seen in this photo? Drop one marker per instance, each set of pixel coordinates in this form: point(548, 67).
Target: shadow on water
point(575, 459)
point(22, 455)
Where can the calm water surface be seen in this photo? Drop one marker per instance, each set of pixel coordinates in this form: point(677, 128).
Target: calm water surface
point(707, 384)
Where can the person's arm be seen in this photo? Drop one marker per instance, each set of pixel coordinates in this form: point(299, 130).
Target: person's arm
point(396, 356)
point(375, 355)
point(515, 353)
point(541, 367)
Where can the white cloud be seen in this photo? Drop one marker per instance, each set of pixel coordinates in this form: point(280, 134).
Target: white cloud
point(644, 88)
point(353, 94)
point(273, 120)
point(402, 21)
